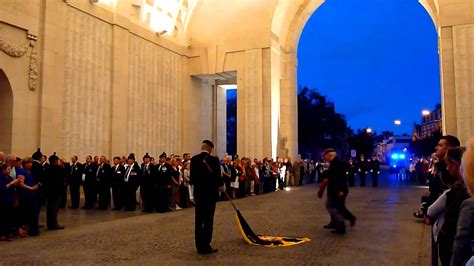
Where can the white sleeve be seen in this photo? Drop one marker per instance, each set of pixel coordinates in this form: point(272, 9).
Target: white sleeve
point(437, 208)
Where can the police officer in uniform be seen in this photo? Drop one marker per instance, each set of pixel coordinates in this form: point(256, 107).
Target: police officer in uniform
point(207, 181)
point(148, 183)
point(362, 169)
point(89, 183)
point(374, 171)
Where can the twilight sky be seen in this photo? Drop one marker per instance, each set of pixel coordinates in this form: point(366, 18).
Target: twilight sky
point(377, 60)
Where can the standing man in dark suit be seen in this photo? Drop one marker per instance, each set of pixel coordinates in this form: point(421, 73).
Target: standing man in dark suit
point(89, 183)
point(206, 178)
point(103, 177)
point(117, 183)
point(38, 172)
point(148, 184)
point(163, 185)
point(55, 184)
point(74, 181)
point(131, 183)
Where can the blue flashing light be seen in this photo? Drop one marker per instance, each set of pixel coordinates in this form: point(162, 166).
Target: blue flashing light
point(402, 156)
point(394, 166)
point(395, 156)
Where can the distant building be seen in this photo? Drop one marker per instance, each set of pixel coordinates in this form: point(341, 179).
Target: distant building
point(430, 124)
point(394, 144)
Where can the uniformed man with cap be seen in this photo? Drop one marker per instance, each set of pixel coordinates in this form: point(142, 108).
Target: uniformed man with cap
point(131, 183)
point(56, 175)
point(163, 184)
point(148, 183)
point(205, 175)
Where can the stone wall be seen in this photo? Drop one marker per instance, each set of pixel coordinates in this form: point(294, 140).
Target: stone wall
point(463, 46)
point(87, 85)
point(154, 96)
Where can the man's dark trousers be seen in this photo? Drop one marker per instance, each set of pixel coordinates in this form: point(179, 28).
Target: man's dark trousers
point(205, 208)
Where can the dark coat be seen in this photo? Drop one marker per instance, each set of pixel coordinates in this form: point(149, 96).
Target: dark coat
point(205, 176)
point(465, 234)
point(148, 175)
point(134, 176)
point(75, 174)
point(454, 199)
point(164, 175)
point(89, 172)
point(118, 174)
point(104, 174)
point(337, 179)
point(56, 177)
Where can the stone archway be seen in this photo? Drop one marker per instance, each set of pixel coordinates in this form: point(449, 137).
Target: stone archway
point(6, 113)
point(289, 20)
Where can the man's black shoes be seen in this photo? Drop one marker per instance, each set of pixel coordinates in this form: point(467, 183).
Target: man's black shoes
point(56, 227)
point(329, 226)
point(353, 222)
point(208, 251)
point(339, 231)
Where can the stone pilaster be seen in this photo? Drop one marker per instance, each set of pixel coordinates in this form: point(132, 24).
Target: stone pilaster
point(288, 137)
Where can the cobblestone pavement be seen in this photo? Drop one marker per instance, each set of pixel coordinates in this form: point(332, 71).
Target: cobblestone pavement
point(385, 233)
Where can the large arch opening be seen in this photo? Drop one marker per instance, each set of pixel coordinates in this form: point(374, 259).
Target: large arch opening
point(377, 61)
point(6, 113)
point(289, 33)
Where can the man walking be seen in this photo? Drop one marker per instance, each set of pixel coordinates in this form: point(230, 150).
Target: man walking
point(337, 194)
point(207, 181)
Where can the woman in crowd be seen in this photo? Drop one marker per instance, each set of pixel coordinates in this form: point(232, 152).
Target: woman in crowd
point(436, 212)
point(28, 197)
point(175, 183)
point(462, 251)
point(236, 176)
point(454, 198)
point(186, 188)
point(7, 201)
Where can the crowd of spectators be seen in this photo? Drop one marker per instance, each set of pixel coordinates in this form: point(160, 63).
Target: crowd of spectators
point(448, 204)
point(122, 184)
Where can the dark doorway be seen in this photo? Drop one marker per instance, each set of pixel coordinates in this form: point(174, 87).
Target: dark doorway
point(231, 121)
point(6, 113)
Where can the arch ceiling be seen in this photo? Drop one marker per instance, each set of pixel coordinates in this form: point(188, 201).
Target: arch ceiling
point(202, 23)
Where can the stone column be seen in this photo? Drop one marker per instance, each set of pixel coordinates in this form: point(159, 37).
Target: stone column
point(221, 120)
point(119, 90)
point(463, 47)
point(288, 139)
point(448, 93)
point(250, 106)
point(52, 76)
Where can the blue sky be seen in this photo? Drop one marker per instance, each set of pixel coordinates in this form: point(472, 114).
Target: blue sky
point(377, 60)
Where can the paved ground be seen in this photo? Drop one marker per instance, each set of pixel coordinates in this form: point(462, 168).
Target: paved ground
point(385, 233)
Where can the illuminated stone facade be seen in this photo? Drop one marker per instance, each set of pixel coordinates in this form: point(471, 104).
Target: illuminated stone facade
point(117, 76)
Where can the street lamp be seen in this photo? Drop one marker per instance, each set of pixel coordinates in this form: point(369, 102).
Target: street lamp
point(425, 113)
point(397, 122)
point(368, 130)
